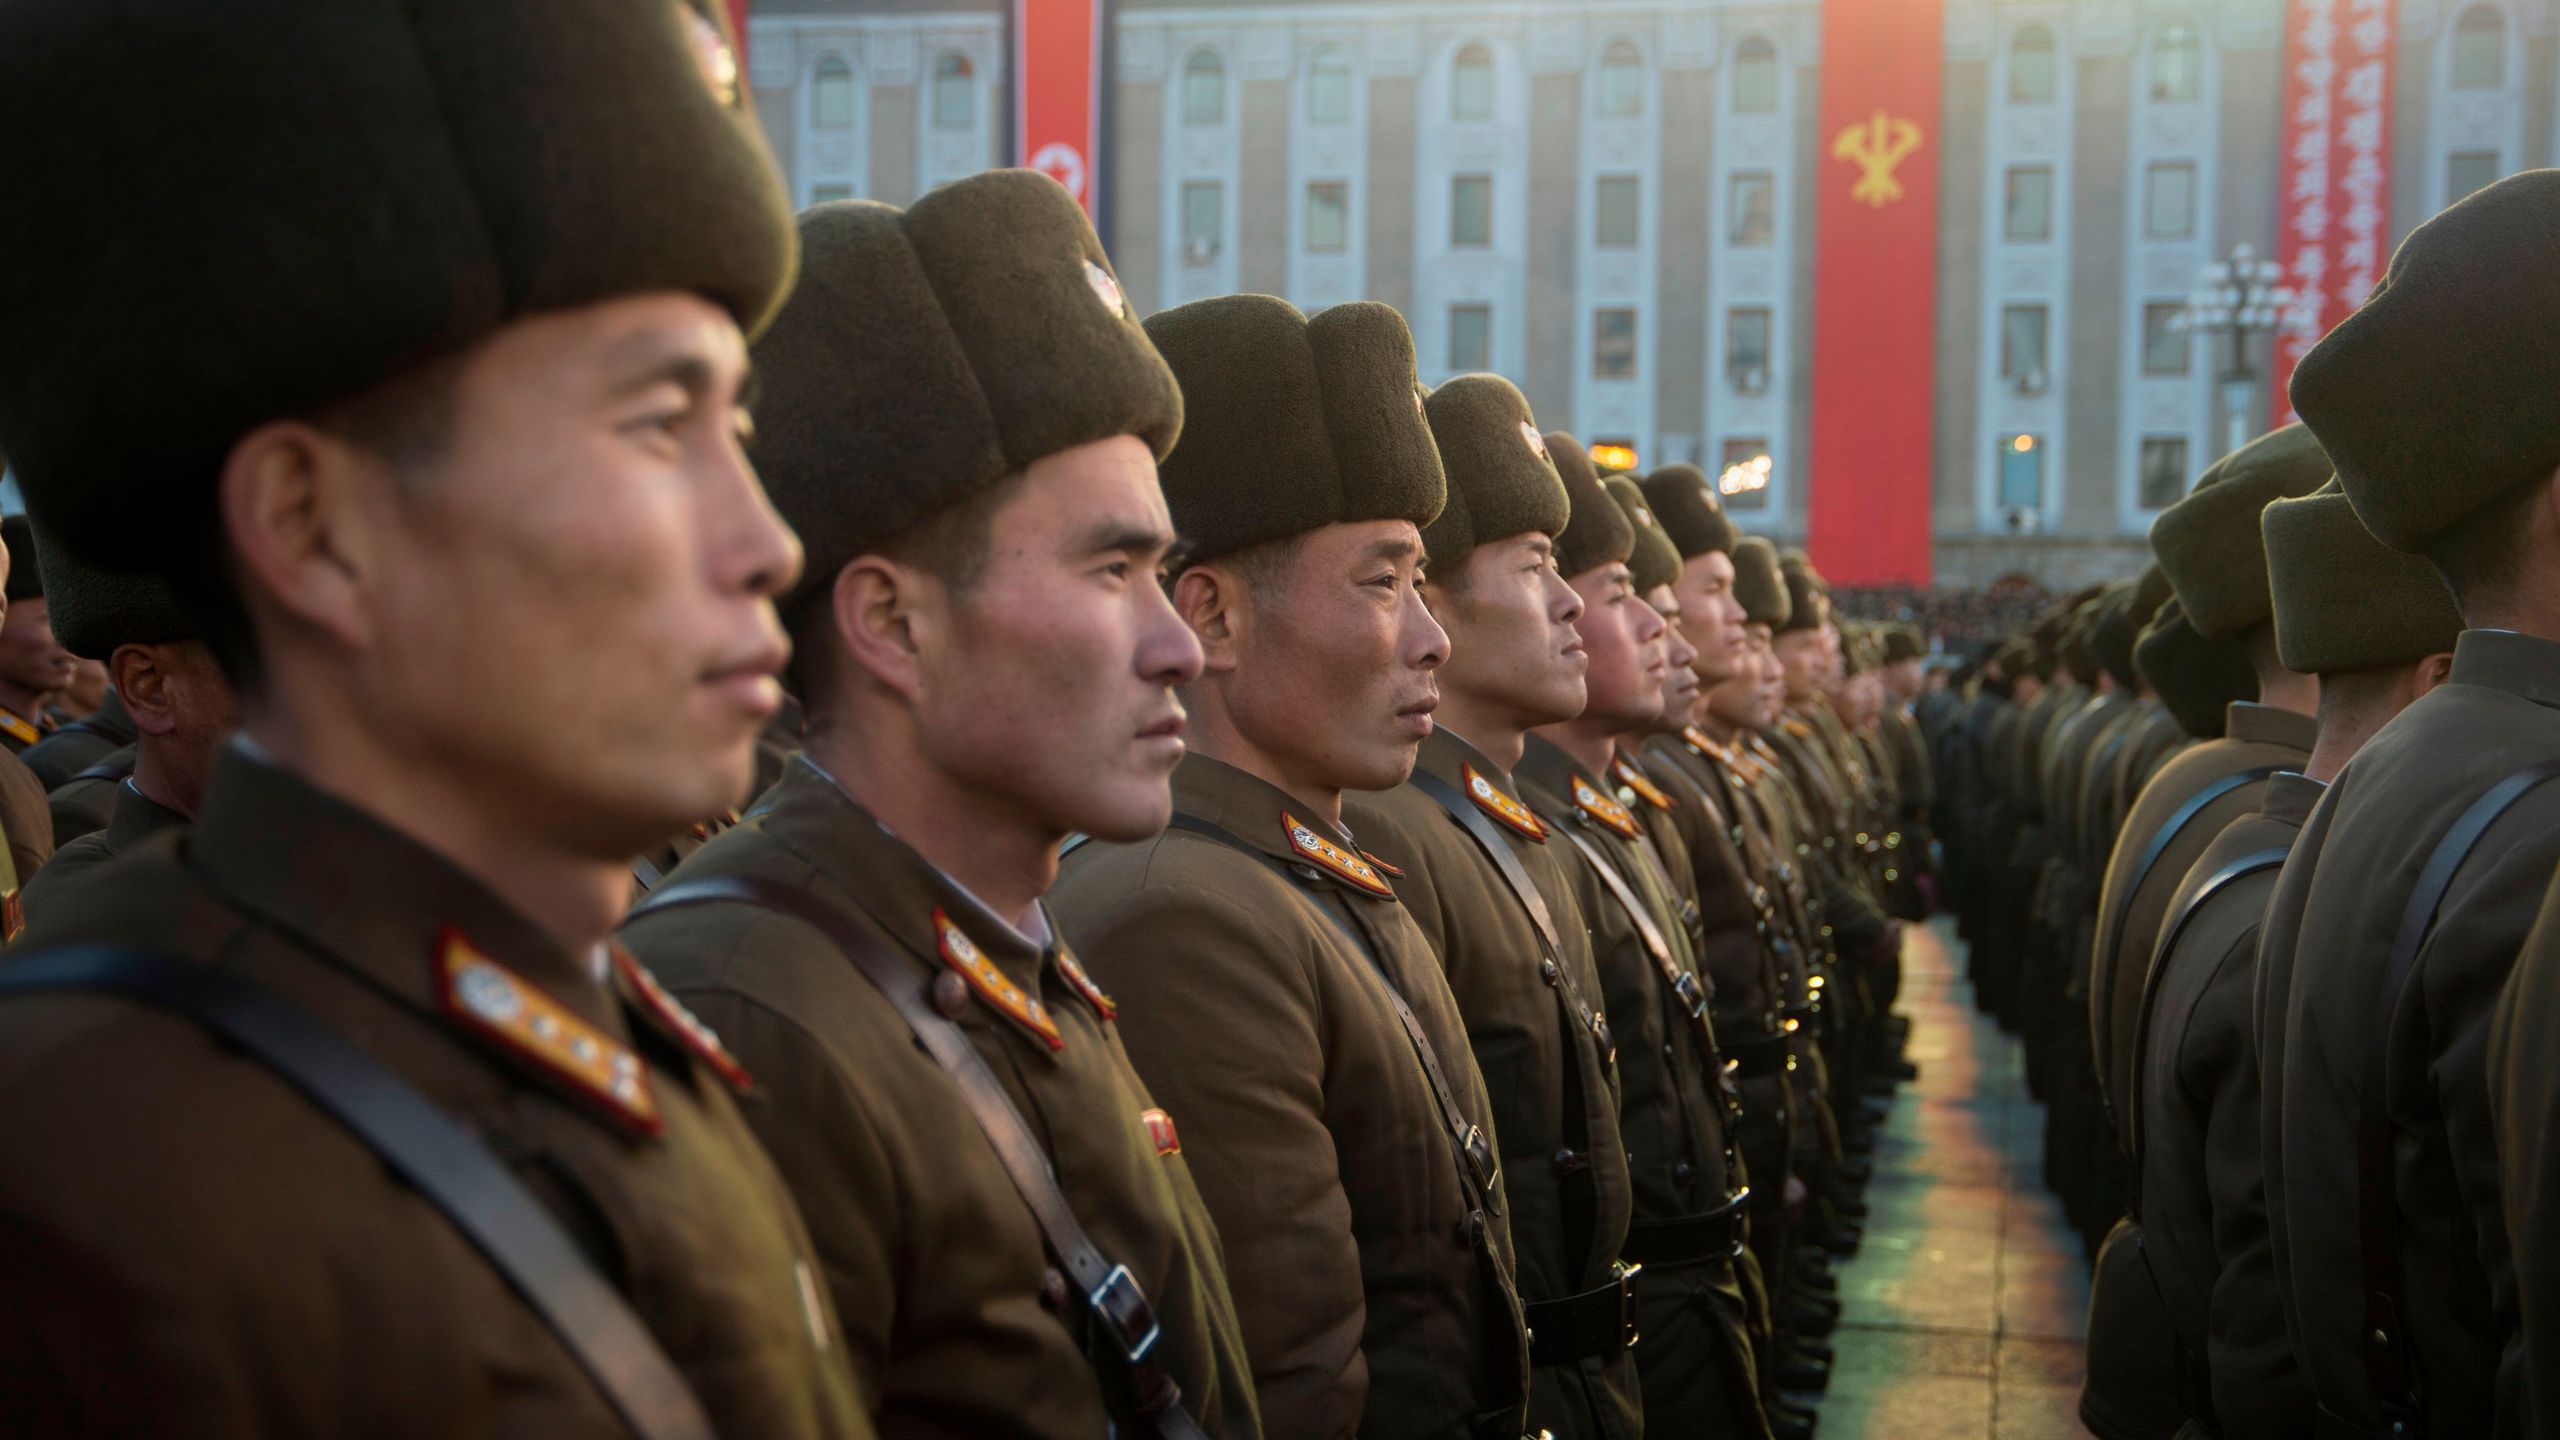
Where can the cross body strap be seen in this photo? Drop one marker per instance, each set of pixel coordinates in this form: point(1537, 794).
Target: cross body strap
point(424, 1146)
point(1113, 1299)
point(1684, 985)
point(2390, 1369)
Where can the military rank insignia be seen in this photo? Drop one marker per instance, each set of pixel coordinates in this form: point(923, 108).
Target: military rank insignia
point(993, 986)
point(19, 730)
point(512, 1012)
point(1492, 800)
point(1082, 983)
point(1796, 727)
point(1160, 1130)
point(1326, 855)
point(1606, 810)
point(649, 995)
point(1390, 871)
point(1705, 744)
point(1636, 781)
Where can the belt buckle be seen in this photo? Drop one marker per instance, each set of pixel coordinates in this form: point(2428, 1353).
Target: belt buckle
point(1626, 1277)
point(1122, 1306)
point(1692, 998)
point(1482, 1165)
point(1740, 1205)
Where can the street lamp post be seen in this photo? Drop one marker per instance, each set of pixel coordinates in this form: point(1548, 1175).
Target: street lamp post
point(2238, 297)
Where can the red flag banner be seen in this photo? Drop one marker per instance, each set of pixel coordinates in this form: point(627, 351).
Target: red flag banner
point(2334, 175)
point(738, 27)
point(1057, 48)
point(1874, 291)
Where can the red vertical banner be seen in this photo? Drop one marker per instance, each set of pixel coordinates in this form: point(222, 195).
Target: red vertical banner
point(738, 27)
point(2333, 179)
point(1875, 277)
point(1058, 92)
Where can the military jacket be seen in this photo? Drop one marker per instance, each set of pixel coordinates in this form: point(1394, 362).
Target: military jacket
point(82, 743)
point(2328, 933)
point(138, 818)
point(1740, 912)
point(1541, 1039)
point(86, 802)
point(2524, 1101)
point(936, 1264)
point(21, 733)
point(195, 1250)
point(1371, 1276)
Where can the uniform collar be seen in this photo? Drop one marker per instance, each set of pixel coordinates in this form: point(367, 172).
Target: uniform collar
point(136, 818)
point(2523, 665)
point(2272, 725)
point(1447, 754)
point(2289, 798)
point(1263, 816)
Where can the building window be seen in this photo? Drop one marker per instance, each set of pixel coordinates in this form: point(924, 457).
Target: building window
point(1470, 209)
point(1328, 216)
point(831, 94)
point(1204, 89)
point(1753, 208)
point(1755, 77)
point(2022, 329)
point(825, 194)
point(1613, 344)
point(1329, 90)
point(1471, 85)
point(2164, 471)
point(2468, 170)
point(1470, 338)
point(2027, 204)
point(1743, 476)
point(1203, 219)
point(2177, 65)
point(2031, 67)
point(2480, 49)
point(2021, 472)
point(1621, 81)
point(955, 93)
point(2165, 350)
point(2169, 201)
point(1617, 212)
point(1746, 349)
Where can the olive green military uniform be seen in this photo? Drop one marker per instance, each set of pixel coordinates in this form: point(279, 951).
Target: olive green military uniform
point(86, 802)
point(82, 743)
point(1259, 985)
point(137, 819)
point(2526, 1105)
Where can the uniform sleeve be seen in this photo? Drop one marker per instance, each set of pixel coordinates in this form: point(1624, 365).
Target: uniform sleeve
point(1219, 1011)
point(2524, 1102)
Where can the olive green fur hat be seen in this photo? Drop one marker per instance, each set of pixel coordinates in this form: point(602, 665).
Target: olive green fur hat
point(1859, 652)
point(2019, 656)
point(237, 213)
point(2433, 397)
point(2074, 647)
point(2151, 590)
point(2197, 678)
point(1598, 532)
point(929, 352)
point(26, 567)
point(1501, 482)
point(1292, 422)
point(2210, 543)
point(2343, 600)
point(94, 610)
point(1684, 500)
point(2114, 630)
point(1757, 586)
point(1808, 600)
point(1652, 561)
point(1902, 642)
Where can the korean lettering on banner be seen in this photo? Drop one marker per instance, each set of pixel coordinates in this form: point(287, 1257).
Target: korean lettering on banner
point(2334, 183)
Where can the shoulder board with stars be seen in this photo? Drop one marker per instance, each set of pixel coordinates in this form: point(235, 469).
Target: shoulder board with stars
point(1328, 856)
point(1636, 781)
point(993, 986)
point(1705, 744)
point(1796, 727)
point(1761, 748)
point(690, 1031)
point(1082, 983)
point(19, 730)
point(1590, 801)
point(1492, 800)
point(512, 1012)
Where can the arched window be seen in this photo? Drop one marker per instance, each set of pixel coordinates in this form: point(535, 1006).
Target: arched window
point(1329, 89)
point(955, 93)
point(1471, 85)
point(1755, 77)
point(2031, 67)
point(831, 94)
point(1204, 89)
point(2480, 49)
point(1621, 81)
point(2177, 65)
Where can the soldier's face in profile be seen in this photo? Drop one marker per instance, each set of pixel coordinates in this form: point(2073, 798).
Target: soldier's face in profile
point(1803, 662)
point(1512, 642)
point(1680, 675)
point(1711, 618)
point(30, 658)
point(565, 616)
point(1746, 701)
point(1624, 638)
point(1049, 686)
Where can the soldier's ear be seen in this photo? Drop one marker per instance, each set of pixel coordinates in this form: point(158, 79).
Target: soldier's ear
point(873, 602)
point(1213, 601)
point(305, 512)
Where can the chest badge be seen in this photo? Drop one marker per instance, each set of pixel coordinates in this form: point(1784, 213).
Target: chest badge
point(993, 986)
point(1636, 780)
point(1160, 1130)
point(1605, 809)
point(649, 995)
point(514, 1014)
point(1493, 800)
point(1327, 856)
point(1082, 983)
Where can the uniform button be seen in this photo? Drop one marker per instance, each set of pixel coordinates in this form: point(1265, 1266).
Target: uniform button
point(1547, 971)
point(1680, 1172)
point(1568, 1161)
point(1670, 1056)
point(1053, 1291)
point(1471, 1229)
point(950, 994)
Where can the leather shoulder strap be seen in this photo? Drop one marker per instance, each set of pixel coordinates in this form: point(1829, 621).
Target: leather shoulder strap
point(421, 1144)
point(1686, 990)
point(2159, 843)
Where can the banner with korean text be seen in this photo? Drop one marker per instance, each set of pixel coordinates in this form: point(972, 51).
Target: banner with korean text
point(1057, 100)
point(2333, 189)
point(1874, 291)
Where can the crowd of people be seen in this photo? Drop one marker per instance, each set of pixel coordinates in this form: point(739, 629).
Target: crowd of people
point(1954, 620)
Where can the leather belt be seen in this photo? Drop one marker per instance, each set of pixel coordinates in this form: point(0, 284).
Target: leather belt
point(1710, 1235)
point(1599, 1321)
point(1757, 1057)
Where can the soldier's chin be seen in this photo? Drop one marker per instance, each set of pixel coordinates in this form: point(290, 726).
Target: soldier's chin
point(1132, 812)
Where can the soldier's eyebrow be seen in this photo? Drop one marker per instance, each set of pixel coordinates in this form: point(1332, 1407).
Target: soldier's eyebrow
point(655, 358)
point(1400, 547)
point(1112, 533)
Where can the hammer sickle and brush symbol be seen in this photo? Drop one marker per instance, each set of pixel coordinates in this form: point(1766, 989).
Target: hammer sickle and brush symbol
point(1876, 146)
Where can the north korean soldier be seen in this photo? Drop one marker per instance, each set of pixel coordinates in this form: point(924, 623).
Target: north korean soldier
point(1857, 703)
point(1009, 1227)
point(1912, 881)
point(1691, 1198)
point(102, 735)
point(2198, 681)
point(1487, 882)
point(1280, 1002)
point(25, 826)
point(339, 1114)
point(1991, 949)
point(2383, 1159)
point(33, 665)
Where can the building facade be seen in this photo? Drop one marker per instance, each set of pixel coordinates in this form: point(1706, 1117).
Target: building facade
point(1611, 202)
